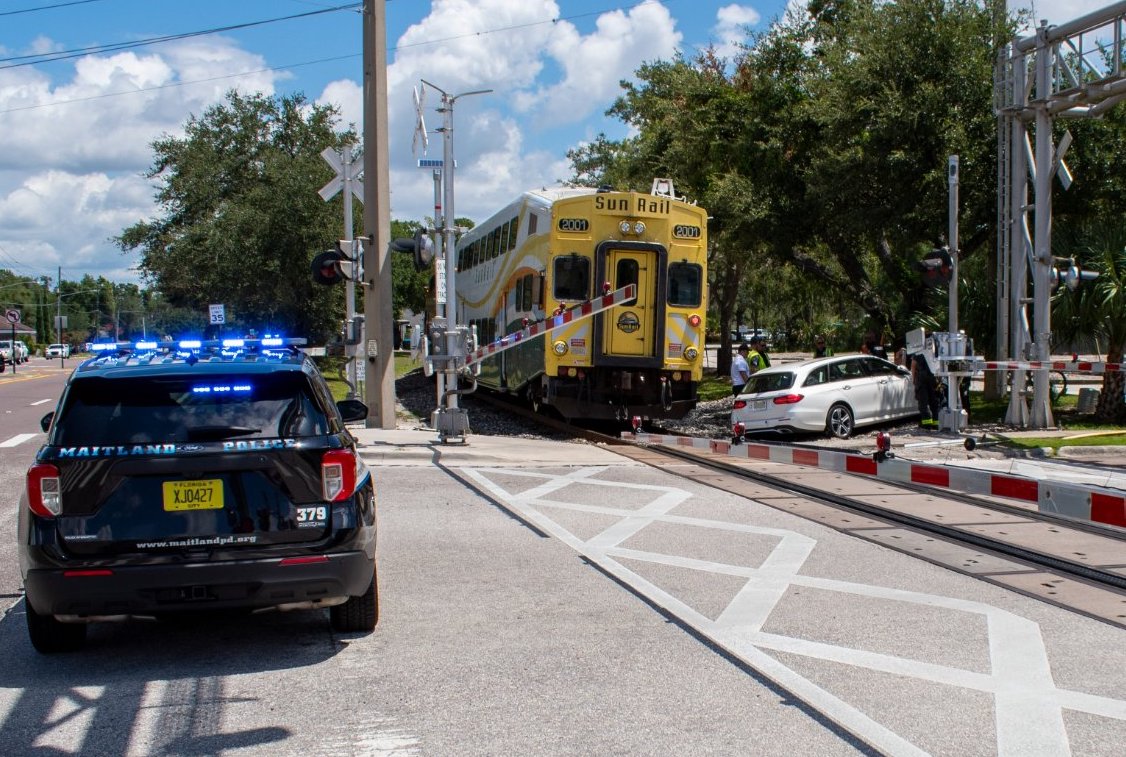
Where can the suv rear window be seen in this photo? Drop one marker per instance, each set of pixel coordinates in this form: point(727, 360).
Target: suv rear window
point(207, 407)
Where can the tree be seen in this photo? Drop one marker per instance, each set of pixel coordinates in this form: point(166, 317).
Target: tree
point(1098, 308)
point(240, 215)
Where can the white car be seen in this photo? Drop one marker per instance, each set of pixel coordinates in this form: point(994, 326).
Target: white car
point(58, 350)
point(13, 352)
point(831, 395)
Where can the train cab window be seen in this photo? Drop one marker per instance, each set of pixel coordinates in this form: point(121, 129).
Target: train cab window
point(684, 284)
point(572, 277)
point(533, 221)
point(626, 273)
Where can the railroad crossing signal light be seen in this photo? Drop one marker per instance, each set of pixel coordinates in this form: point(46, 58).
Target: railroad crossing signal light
point(937, 267)
point(327, 269)
point(421, 246)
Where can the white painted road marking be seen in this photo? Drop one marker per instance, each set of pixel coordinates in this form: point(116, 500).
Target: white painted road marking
point(40, 402)
point(17, 440)
point(1029, 707)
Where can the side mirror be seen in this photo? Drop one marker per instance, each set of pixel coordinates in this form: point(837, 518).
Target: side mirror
point(352, 410)
point(45, 421)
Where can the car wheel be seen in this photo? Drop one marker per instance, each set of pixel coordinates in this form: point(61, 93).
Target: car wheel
point(49, 635)
point(839, 422)
point(358, 613)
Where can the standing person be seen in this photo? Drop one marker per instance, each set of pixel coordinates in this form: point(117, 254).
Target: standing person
point(821, 347)
point(872, 346)
point(740, 369)
point(926, 393)
point(758, 345)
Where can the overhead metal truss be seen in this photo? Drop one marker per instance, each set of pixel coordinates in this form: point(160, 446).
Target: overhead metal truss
point(1075, 70)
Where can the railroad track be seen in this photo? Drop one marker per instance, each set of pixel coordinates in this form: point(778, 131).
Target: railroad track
point(1075, 565)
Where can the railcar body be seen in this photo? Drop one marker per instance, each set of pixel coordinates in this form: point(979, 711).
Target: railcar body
point(553, 249)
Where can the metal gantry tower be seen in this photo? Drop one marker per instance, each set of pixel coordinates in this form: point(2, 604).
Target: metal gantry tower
point(1074, 70)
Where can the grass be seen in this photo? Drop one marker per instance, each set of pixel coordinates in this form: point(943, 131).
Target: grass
point(330, 367)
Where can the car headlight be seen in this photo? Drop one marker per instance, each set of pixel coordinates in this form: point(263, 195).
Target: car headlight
point(560, 348)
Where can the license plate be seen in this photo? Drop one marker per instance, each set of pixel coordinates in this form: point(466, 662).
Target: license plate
point(204, 494)
point(759, 404)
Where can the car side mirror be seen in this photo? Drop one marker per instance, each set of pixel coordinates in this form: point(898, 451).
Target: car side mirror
point(45, 421)
point(352, 410)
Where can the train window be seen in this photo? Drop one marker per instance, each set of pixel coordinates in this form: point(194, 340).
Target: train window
point(504, 237)
point(684, 284)
point(572, 277)
point(526, 293)
point(533, 221)
point(513, 229)
point(626, 273)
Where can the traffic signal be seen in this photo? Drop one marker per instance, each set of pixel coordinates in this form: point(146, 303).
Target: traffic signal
point(421, 246)
point(327, 268)
point(937, 267)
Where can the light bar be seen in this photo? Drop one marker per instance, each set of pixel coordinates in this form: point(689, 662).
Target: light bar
point(145, 345)
point(190, 344)
point(273, 341)
point(234, 342)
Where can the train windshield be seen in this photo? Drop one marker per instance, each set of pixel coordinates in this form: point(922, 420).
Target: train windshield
point(684, 284)
point(572, 278)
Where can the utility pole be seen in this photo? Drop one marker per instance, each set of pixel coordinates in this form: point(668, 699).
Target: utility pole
point(378, 348)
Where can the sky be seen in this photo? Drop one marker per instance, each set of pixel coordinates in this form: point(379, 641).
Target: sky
point(76, 131)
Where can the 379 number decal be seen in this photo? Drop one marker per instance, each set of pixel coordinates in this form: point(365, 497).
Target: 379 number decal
point(311, 516)
point(573, 224)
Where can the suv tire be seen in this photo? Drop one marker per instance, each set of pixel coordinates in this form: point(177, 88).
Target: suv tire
point(358, 613)
point(49, 635)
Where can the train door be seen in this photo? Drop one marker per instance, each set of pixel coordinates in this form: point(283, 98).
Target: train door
point(630, 329)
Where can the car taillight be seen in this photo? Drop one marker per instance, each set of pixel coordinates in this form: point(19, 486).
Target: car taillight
point(43, 490)
point(739, 404)
point(788, 399)
point(338, 474)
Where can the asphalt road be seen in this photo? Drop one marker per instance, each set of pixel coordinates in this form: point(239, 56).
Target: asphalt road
point(575, 607)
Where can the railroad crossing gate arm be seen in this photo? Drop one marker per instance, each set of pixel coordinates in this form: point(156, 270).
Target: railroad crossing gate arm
point(576, 313)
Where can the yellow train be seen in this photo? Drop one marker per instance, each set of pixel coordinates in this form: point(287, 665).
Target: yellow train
point(552, 249)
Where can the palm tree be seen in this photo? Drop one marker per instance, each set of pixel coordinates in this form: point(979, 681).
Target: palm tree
point(1097, 309)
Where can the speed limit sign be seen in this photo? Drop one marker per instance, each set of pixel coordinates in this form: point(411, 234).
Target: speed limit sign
point(218, 315)
point(13, 316)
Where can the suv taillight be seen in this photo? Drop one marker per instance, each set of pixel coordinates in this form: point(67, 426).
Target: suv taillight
point(338, 474)
point(43, 490)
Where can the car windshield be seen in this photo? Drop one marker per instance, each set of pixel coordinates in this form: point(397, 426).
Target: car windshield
point(150, 410)
point(769, 382)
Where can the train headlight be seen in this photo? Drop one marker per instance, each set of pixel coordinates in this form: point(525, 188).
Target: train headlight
point(559, 348)
point(691, 353)
point(624, 227)
point(639, 228)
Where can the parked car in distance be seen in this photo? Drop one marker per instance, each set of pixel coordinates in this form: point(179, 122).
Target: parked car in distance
point(58, 350)
point(833, 395)
point(14, 351)
point(190, 477)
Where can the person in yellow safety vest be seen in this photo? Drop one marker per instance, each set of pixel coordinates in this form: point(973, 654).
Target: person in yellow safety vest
point(755, 360)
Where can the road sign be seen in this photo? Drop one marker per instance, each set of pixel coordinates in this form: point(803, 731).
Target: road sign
point(349, 168)
point(218, 315)
point(12, 315)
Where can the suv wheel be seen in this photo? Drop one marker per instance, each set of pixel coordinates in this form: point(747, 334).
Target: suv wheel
point(358, 613)
point(49, 635)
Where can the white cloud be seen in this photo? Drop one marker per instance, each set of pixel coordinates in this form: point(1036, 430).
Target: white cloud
point(731, 26)
point(543, 73)
point(74, 151)
point(55, 218)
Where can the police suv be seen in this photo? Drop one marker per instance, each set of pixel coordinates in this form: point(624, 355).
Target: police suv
point(188, 476)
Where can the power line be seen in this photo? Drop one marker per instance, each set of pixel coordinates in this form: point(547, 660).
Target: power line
point(25, 60)
point(47, 7)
